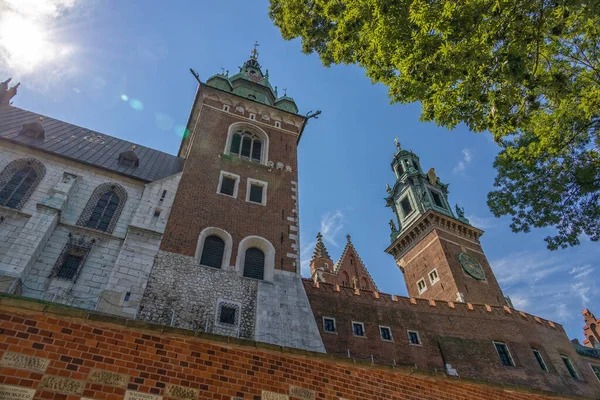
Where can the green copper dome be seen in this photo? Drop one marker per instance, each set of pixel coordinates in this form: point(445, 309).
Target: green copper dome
point(250, 82)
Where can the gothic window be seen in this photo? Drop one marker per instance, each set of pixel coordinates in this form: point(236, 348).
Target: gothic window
point(406, 206)
point(540, 360)
point(345, 279)
point(71, 259)
point(386, 333)
point(329, 324)
point(246, 145)
point(504, 354)
point(413, 337)
point(570, 367)
point(212, 252)
point(254, 263)
point(104, 207)
point(358, 329)
point(18, 181)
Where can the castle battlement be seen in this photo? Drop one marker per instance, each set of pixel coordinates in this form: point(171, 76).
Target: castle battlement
point(428, 305)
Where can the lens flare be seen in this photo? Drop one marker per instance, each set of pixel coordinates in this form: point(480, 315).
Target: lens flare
point(136, 104)
point(181, 131)
point(124, 97)
point(23, 42)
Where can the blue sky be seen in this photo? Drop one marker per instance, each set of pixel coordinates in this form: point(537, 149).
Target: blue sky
point(87, 56)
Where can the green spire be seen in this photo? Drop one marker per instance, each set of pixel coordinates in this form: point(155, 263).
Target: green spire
point(414, 191)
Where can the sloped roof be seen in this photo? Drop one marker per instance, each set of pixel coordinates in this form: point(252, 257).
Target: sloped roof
point(87, 146)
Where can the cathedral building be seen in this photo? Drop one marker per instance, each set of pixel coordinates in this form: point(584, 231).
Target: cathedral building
point(207, 241)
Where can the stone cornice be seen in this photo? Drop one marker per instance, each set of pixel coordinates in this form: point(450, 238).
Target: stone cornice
point(425, 224)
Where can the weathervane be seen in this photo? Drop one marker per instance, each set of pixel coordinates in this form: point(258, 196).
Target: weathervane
point(285, 91)
point(254, 53)
point(397, 142)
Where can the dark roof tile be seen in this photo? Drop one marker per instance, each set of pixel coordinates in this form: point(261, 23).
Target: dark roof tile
point(87, 146)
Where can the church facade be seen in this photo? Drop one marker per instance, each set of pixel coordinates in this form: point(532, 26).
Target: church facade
point(208, 241)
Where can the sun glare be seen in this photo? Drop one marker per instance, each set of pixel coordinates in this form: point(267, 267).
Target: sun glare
point(23, 44)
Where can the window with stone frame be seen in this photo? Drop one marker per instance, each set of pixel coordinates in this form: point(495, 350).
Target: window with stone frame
point(254, 263)
point(596, 370)
point(504, 354)
point(212, 251)
point(414, 338)
point(104, 207)
point(19, 180)
point(329, 324)
point(540, 360)
point(386, 333)
point(358, 329)
point(228, 314)
point(570, 367)
point(434, 277)
point(406, 206)
point(246, 145)
point(421, 286)
point(72, 258)
point(227, 185)
point(437, 198)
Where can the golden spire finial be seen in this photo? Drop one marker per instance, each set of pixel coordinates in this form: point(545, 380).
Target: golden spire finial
point(254, 52)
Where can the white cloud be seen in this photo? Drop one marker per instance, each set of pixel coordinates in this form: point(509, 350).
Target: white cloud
point(553, 285)
point(332, 224)
point(481, 222)
point(462, 165)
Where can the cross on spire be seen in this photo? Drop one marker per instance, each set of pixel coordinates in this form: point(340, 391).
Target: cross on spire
point(285, 91)
point(397, 142)
point(254, 52)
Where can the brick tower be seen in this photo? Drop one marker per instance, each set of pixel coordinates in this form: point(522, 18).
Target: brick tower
point(229, 257)
point(439, 253)
point(591, 330)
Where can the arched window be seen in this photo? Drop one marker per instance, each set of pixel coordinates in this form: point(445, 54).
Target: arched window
point(248, 142)
point(104, 207)
point(246, 145)
point(212, 252)
point(345, 279)
point(18, 181)
point(254, 263)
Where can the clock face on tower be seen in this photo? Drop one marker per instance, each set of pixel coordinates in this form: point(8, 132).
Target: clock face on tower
point(471, 266)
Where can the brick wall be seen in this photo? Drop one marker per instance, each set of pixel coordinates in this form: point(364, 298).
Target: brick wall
point(60, 353)
point(460, 335)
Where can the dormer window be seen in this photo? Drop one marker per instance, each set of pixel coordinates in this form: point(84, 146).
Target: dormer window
point(252, 97)
point(437, 198)
point(129, 158)
point(33, 130)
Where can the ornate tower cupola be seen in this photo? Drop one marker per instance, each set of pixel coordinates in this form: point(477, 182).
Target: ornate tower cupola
point(414, 191)
point(439, 253)
point(251, 83)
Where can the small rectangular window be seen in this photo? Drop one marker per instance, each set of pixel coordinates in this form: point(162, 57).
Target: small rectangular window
point(570, 367)
point(540, 360)
point(413, 337)
point(596, 370)
point(227, 315)
point(256, 193)
point(386, 333)
point(156, 214)
point(329, 324)
point(277, 124)
point(433, 276)
point(127, 296)
point(422, 286)
point(358, 329)
point(504, 354)
point(437, 199)
point(164, 194)
point(227, 185)
point(225, 107)
point(406, 206)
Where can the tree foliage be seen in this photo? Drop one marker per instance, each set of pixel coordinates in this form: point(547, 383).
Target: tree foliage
point(527, 71)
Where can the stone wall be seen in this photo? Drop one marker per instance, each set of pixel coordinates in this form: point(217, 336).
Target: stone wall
point(47, 352)
point(182, 291)
point(115, 271)
point(456, 337)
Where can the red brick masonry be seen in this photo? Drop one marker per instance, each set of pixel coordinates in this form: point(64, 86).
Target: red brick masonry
point(163, 360)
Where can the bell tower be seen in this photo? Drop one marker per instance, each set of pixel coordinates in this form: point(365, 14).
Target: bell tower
point(438, 252)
